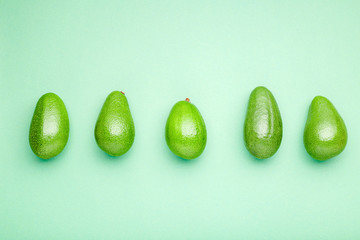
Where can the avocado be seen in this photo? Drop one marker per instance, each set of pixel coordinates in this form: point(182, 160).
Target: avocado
point(49, 129)
point(263, 125)
point(114, 129)
point(185, 130)
point(325, 134)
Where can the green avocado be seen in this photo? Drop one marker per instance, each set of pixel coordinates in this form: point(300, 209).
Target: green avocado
point(185, 130)
point(49, 129)
point(325, 134)
point(115, 130)
point(263, 125)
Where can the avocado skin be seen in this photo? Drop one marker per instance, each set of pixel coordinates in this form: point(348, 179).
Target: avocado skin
point(49, 129)
point(185, 131)
point(263, 125)
point(325, 134)
point(114, 129)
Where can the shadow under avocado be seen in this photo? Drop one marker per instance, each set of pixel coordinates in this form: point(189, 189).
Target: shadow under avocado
point(41, 160)
point(49, 160)
point(259, 160)
point(313, 161)
point(176, 159)
point(100, 154)
point(310, 160)
point(245, 152)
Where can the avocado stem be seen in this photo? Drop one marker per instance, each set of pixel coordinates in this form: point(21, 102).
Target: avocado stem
point(122, 92)
point(187, 99)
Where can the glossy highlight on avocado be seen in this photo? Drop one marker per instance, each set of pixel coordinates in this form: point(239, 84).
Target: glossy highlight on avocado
point(325, 134)
point(185, 130)
point(49, 129)
point(114, 129)
point(263, 124)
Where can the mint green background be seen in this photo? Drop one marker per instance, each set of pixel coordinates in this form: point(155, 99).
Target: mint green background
point(160, 52)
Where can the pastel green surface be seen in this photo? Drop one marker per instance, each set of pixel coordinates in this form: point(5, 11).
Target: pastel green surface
point(158, 52)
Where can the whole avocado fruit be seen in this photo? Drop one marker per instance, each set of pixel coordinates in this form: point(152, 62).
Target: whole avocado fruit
point(114, 129)
point(325, 134)
point(263, 127)
point(49, 129)
point(185, 130)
